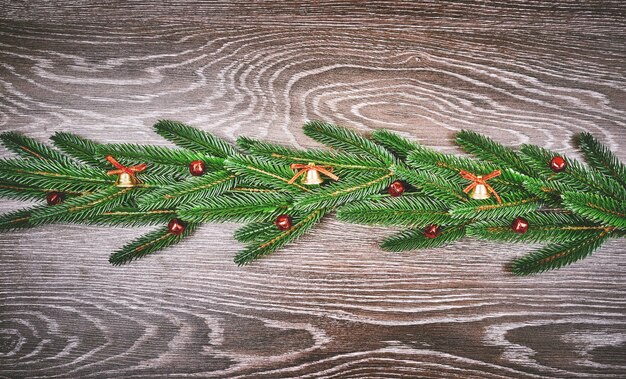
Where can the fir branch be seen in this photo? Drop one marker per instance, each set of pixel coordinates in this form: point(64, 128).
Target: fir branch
point(412, 239)
point(194, 139)
point(448, 166)
point(263, 173)
point(410, 211)
point(254, 231)
point(559, 255)
point(27, 148)
point(601, 158)
point(513, 204)
point(188, 192)
point(433, 185)
point(161, 160)
point(320, 157)
point(18, 219)
point(487, 149)
point(596, 207)
point(575, 177)
point(344, 139)
point(398, 145)
point(544, 227)
point(81, 209)
point(129, 217)
point(149, 243)
point(52, 175)
point(339, 193)
point(79, 148)
point(22, 192)
point(237, 207)
point(274, 239)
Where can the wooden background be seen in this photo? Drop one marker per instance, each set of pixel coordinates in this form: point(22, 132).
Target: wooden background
point(333, 305)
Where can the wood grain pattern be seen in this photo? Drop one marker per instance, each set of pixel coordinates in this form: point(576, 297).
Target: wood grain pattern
point(332, 306)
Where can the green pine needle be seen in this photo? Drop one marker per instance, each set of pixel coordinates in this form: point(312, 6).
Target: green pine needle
point(10, 190)
point(194, 139)
point(79, 148)
point(254, 232)
point(29, 148)
point(437, 186)
point(149, 243)
point(260, 172)
point(129, 217)
point(543, 227)
point(398, 145)
point(601, 158)
point(575, 177)
point(18, 219)
point(558, 255)
point(161, 160)
point(412, 239)
point(344, 191)
point(189, 192)
point(344, 139)
point(597, 207)
point(408, 211)
point(274, 239)
point(237, 207)
point(513, 204)
point(448, 167)
point(81, 209)
point(487, 149)
point(338, 160)
point(49, 175)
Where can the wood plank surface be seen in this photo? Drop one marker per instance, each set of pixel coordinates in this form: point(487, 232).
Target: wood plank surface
point(332, 305)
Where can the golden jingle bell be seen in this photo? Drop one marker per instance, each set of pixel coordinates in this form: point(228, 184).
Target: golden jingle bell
point(126, 180)
point(480, 192)
point(311, 173)
point(312, 177)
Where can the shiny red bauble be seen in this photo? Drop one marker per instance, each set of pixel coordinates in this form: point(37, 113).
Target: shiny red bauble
point(520, 225)
point(176, 226)
point(432, 231)
point(396, 188)
point(283, 222)
point(55, 198)
point(197, 168)
point(558, 164)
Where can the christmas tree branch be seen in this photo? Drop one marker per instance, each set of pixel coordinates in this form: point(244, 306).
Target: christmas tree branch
point(274, 239)
point(79, 148)
point(194, 139)
point(30, 148)
point(149, 243)
point(601, 158)
point(412, 239)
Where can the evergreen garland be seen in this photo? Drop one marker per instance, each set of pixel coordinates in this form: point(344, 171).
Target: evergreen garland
point(572, 208)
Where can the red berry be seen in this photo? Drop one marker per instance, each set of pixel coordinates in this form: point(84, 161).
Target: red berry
point(283, 222)
point(55, 197)
point(432, 231)
point(396, 188)
point(558, 164)
point(176, 226)
point(197, 168)
point(520, 225)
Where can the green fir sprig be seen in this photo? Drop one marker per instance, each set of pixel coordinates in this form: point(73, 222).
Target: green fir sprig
point(573, 211)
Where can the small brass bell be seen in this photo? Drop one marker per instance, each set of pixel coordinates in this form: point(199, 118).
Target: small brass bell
point(312, 177)
point(480, 192)
point(126, 180)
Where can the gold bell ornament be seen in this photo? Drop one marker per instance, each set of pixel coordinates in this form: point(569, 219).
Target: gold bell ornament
point(479, 189)
point(311, 173)
point(126, 175)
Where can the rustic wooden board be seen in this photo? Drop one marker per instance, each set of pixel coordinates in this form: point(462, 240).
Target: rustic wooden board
point(332, 305)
